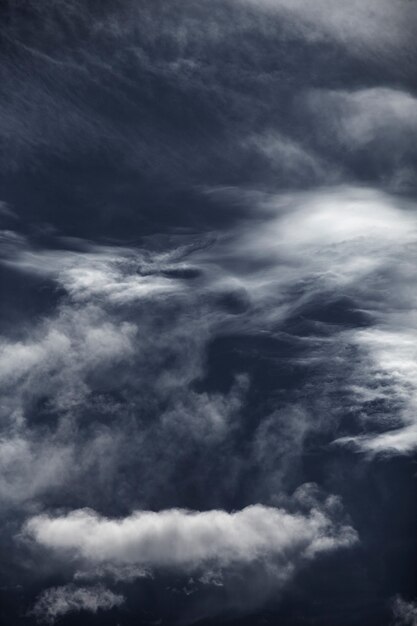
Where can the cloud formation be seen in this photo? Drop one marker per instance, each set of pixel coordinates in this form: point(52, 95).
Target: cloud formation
point(208, 249)
point(405, 613)
point(193, 541)
point(56, 602)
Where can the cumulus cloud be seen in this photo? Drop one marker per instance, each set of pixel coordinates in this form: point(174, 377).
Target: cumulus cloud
point(189, 541)
point(56, 602)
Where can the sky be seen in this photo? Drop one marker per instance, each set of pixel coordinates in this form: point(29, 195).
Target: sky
point(208, 326)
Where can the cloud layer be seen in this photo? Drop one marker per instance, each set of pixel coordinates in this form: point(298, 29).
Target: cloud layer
point(208, 249)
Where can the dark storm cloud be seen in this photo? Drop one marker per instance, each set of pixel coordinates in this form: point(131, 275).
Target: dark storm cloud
point(207, 361)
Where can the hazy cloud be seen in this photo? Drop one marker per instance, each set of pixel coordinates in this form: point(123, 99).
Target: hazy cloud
point(405, 613)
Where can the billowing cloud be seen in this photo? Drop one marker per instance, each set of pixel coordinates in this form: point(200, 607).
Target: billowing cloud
point(192, 540)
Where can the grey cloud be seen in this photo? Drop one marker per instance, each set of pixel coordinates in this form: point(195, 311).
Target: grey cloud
point(116, 572)
point(380, 123)
point(57, 115)
point(351, 236)
point(363, 115)
point(361, 26)
point(209, 272)
point(189, 540)
point(405, 613)
point(56, 602)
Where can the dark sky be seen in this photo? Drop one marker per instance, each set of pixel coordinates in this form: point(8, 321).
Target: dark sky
point(208, 353)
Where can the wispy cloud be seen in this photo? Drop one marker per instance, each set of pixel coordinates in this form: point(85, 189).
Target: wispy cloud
point(405, 613)
point(55, 602)
point(208, 262)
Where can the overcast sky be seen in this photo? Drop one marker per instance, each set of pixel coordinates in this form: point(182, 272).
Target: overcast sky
point(208, 350)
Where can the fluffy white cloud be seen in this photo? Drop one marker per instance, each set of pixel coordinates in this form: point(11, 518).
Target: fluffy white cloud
point(189, 540)
point(55, 602)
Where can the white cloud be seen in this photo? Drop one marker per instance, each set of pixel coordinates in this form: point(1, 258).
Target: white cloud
point(191, 540)
point(390, 374)
point(342, 215)
point(101, 272)
point(331, 237)
point(55, 602)
point(357, 243)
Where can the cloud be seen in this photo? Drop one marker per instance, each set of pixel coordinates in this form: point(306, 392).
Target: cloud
point(57, 357)
point(405, 613)
point(364, 115)
point(220, 66)
point(31, 467)
point(396, 441)
point(372, 130)
point(190, 540)
point(114, 382)
point(118, 573)
point(296, 254)
point(365, 27)
point(101, 376)
point(208, 260)
point(391, 375)
point(286, 160)
point(357, 247)
point(56, 602)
